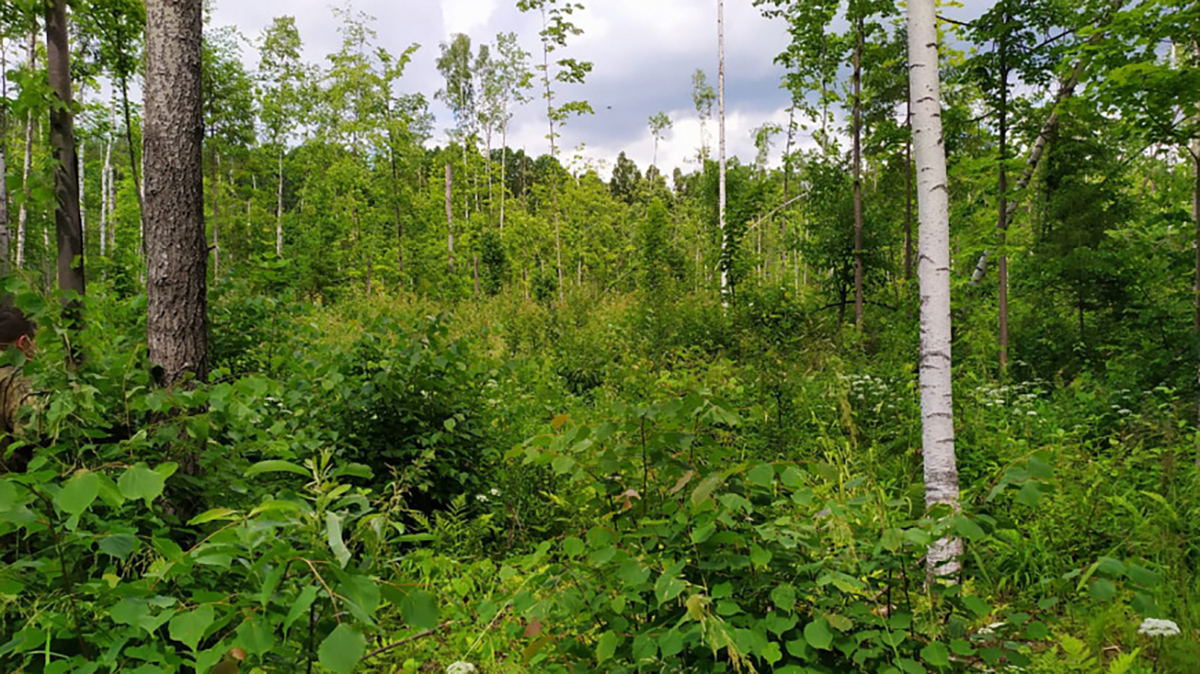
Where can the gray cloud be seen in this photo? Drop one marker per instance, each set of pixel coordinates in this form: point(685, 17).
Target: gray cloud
point(644, 52)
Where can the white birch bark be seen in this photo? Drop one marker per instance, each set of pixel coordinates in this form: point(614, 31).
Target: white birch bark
point(23, 212)
point(933, 269)
point(721, 115)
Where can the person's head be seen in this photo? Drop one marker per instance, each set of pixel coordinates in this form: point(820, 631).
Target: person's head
point(16, 330)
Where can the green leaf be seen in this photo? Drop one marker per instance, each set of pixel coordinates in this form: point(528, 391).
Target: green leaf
point(668, 587)
point(784, 597)
point(342, 649)
point(936, 654)
point(607, 646)
point(977, 606)
point(225, 514)
point(256, 635)
point(704, 532)
point(671, 644)
point(277, 466)
point(633, 574)
point(1102, 590)
point(333, 533)
point(910, 666)
point(706, 488)
point(119, 545)
point(1030, 494)
point(1143, 576)
point(129, 611)
point(419, 610)
point(969, 529)
point(79, 493)
point(763, 476)
point(817, 634)
point(140, 482)
point(188, 628)
point(300, 606)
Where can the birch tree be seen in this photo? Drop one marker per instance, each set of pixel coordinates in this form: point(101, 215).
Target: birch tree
point(721, 195)
point(282, 79)
point(557, 28)
point(933, 271)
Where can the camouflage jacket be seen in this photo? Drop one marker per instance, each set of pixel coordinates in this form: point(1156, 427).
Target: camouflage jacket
point(15, 392)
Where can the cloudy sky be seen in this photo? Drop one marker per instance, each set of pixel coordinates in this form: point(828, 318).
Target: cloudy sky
point(644, 52)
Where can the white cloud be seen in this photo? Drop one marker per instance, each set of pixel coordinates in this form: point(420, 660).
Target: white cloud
point(467, 16)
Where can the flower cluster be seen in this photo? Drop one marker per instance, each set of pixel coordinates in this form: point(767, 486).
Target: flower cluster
point(483, 498)
point(1153, 627)
point(461, 668)
point(1021, 398)
point(867, 392)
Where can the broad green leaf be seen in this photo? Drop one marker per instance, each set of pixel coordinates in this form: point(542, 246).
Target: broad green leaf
point(78, 493)
point(119, 545)
point(256, 635)
point(784, 597)
point(1102, 590)
point(977, 606)
point(935, 654)
point(1143, 576)
point(705, 489)
point(763, 476)
point(139, 482)
point(225, 514)
point(333, 533)
point(671, 644)
point(419, 610)
point(817, 634)
point(277, 466)
point(668, 587)
point(607, 646)
point(342, 649)
point(300, 606)
point(129, 611)
point(188, 628)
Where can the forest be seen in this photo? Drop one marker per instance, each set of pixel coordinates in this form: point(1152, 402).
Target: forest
point(306, 379)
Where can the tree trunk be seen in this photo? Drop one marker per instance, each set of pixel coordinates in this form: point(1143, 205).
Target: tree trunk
point(449, 218)
point(503, 175)
point(908, 196)
point(23, 212)
point(177, 255)
point(858, 195)
point(67, 218)
point(937, 412)
point(1002, 188)
point(721, 196)
point(135, 165)
point(215, 161)
point(279, 208)
point(5, 233)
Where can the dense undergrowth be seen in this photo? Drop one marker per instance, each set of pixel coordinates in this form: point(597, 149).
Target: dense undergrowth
point(611, 485)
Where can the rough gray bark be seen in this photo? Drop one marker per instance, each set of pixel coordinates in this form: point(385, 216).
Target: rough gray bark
point(177, 255)
point(933, 270)
point(67, 218)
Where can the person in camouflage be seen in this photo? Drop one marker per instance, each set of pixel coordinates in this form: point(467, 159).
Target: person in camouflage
point(16, 332)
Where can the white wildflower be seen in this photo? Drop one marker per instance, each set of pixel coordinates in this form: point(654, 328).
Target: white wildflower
point(1153, 627)
point(1124, 412)
point(495, 492)
point(461, 668)
point(990, 629)
point(482, 498)
point(1031, 413)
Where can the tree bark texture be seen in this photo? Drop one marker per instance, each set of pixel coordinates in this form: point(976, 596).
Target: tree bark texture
point(23, 212)
point(5, 232)
point(858, 195)
point(67, 218)
point(721, 197)
point(177, 255)
point(449, 218)
point(933, 269)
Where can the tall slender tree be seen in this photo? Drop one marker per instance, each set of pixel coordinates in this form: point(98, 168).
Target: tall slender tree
point(721, 195)
point(557, 28)
point(933, 204)
point(282, 81)
point(177, 254)
point(68, 225)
